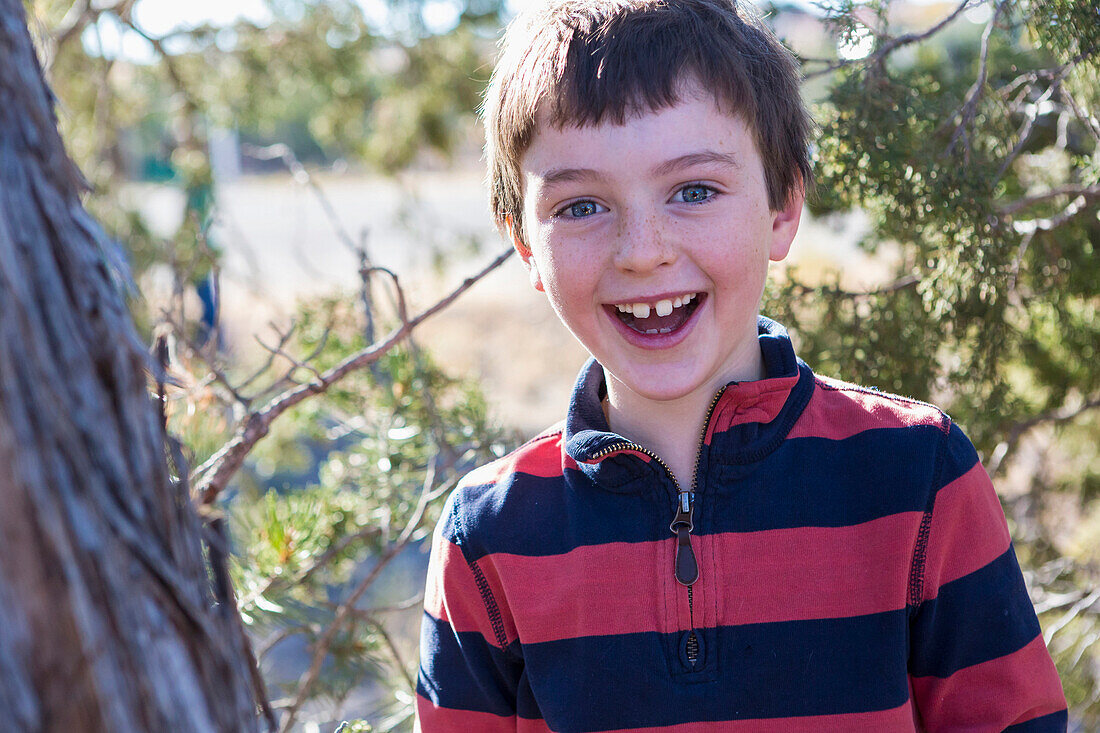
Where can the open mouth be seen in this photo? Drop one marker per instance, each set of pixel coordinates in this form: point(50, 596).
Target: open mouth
point(659, 317)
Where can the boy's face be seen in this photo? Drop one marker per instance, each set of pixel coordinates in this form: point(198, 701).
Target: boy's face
point(652, 241)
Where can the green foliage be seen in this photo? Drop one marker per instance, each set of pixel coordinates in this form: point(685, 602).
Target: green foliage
point(384, 89)
point(339, 489)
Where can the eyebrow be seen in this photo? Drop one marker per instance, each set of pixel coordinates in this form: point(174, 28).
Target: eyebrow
point(703, 157)
point(569, 175)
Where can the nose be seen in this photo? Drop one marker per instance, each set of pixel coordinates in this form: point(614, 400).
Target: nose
point(643, 244)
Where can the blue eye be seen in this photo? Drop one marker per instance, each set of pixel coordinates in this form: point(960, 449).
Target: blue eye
point(583, 208)
point(694, 194)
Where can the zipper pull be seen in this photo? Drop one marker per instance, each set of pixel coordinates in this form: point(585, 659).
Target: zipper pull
point(686, 567)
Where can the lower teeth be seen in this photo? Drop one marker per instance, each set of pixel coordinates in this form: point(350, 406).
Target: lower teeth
point(658, 330)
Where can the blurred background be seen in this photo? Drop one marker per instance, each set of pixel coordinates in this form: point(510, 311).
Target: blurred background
point(285, 178)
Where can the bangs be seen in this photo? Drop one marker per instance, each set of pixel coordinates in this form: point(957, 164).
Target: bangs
point(629, 64)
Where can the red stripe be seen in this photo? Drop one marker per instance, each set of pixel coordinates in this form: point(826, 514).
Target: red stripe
point(982, 697)
point(586, 592)
point(815, 572)
point(759, 401)
point(452, 594)
point(896, 720)
point(541, 457)
point(432, 719)
point(773, 575)
point(968, 530)
point(837, 411)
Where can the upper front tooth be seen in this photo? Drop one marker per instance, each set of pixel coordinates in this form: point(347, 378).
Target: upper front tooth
point(663, 307)
point(677, 302)
point(641, 310)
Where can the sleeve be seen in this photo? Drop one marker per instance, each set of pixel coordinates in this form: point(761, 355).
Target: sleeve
point(469, 672)
point(977, 659)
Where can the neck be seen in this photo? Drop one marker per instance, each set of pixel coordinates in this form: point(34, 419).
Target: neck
point(672, 429)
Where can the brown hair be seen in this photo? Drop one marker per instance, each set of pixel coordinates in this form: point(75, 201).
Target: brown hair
point(593, 60)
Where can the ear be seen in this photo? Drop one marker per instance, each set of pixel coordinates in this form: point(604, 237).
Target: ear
point(785, 223)
point(524, 252)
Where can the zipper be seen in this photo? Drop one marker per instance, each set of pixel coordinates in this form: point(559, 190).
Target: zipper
point(685, 566)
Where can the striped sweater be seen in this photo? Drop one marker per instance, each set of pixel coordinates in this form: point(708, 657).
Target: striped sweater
point(854, 572)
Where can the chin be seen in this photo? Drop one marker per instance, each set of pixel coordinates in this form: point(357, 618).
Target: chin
point(660, 387)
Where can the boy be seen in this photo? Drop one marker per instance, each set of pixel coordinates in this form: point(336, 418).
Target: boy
point(716, 538)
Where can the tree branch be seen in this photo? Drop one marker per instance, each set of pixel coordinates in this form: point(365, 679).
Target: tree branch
point(1063, 414)
point(902, 283)
point(1033, 111)
point(973, 96)
point(1073, 208)
point(228, 460)
point(1085, 604)
point(889, 46)
point(1075, 190)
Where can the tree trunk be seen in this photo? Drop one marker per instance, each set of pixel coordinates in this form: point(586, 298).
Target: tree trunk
point(106, 617)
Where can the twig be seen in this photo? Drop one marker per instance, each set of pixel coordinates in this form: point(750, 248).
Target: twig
point(889, 46)
point(295, 363)
point(280, 582)
point(397, 607)
point(75, 20)
point(402, 308)
point(973, 96)
point(398, 661)
point(1084, 604)
point(283, 152)
point(1090, 121)
point(347, 607)
point(320, 650)
point(902, 283)
point(1092, 191)
point(284, 337)
point(216, 374)
point(1034, 110)
point(271, 642)
point(227, 461)
point(1073, 208)
point(1063, 414)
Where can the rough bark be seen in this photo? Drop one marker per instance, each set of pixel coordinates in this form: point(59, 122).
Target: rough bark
point(106, 618)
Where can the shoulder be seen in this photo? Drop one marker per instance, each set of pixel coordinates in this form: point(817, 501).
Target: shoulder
point(494, 500)
point(839, 409)
point(882, 425)
point(540, 456)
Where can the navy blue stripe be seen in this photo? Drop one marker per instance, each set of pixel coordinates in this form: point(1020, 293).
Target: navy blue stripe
point(528, 515)
point(817, 482)
point(811, 482)
point(463, 671)
point(981, 616)
point(960, 456)
point(1053, 723)
point(772, 670)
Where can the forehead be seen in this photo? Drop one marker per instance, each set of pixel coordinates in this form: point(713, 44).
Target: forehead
point(696, 129)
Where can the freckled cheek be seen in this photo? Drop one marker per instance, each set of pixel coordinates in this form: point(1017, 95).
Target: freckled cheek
point(571, 273)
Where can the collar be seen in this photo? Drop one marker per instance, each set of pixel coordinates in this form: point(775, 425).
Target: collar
point(748, 420)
